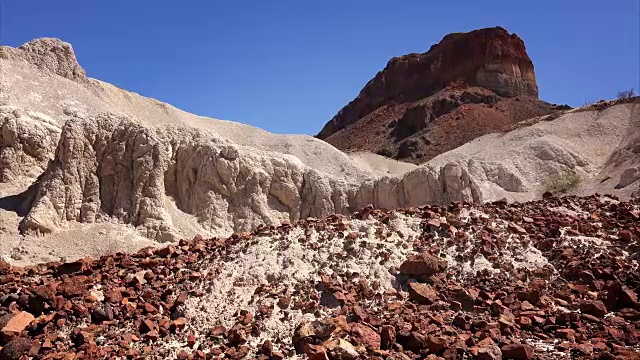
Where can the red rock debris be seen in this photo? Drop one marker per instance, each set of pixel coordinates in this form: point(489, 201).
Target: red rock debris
point(583, 304)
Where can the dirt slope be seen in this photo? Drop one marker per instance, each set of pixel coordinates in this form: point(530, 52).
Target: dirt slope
point(597, 143)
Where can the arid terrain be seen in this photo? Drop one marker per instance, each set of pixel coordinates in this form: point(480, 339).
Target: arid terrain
point(446, 213)
point(550, 279)
point(422, 105)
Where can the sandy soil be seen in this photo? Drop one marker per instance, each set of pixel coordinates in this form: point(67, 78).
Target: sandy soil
point(378, 164)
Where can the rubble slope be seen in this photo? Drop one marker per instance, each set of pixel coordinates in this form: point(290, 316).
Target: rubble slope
point(552, 279)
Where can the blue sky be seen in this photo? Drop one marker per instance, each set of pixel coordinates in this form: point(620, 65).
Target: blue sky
point(289, 66)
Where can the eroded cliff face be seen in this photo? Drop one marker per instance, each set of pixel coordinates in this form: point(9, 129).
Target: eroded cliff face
point(111, 168)
point(28, 137)
point(27, 143)
point(489, 58)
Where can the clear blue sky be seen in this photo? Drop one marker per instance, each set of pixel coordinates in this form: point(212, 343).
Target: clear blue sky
point(289, 66)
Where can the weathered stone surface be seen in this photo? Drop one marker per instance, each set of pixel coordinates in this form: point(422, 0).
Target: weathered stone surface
point(320, 330)
point(5, 267)
point(628, 298)
point(315, 352)
point(423, 264)
point(422, 293)
point(49, 54)
point(4, 319)
point(16, 325)
point(593, 307)
point(15, 349)
point(27, 143)
point(341, 349)
point(437, 343)
point(101, 314)
point(517, 352)
point(489, 352)
point(388, 337)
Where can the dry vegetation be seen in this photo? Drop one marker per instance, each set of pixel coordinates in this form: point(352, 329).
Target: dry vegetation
point(563, 182)
point(626, 94)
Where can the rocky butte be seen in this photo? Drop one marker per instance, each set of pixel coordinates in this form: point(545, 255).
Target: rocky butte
point(484, 69)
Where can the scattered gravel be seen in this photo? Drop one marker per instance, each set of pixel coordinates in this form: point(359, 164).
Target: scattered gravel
point(511, 281)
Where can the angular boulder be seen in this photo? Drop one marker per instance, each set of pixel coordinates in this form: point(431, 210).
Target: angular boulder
point(423, 264)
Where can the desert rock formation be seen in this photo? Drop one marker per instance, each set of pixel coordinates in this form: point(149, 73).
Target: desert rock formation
point(598, 145)
point(27, 141)
point(80, 156)
point(421, 105)
point(76, 149)
point(332, 256)
point(115, 168)
point(490, 58)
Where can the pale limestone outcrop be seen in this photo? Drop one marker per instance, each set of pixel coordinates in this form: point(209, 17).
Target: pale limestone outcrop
point(27, 143)
point(25, 85)
point(111, 168)
point(102, 168)
point(602, 147)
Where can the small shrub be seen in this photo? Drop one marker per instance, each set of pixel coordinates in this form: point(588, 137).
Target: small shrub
point(626, 94)
point(563, 183)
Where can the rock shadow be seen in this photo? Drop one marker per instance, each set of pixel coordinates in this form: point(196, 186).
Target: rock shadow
point(21, 203)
